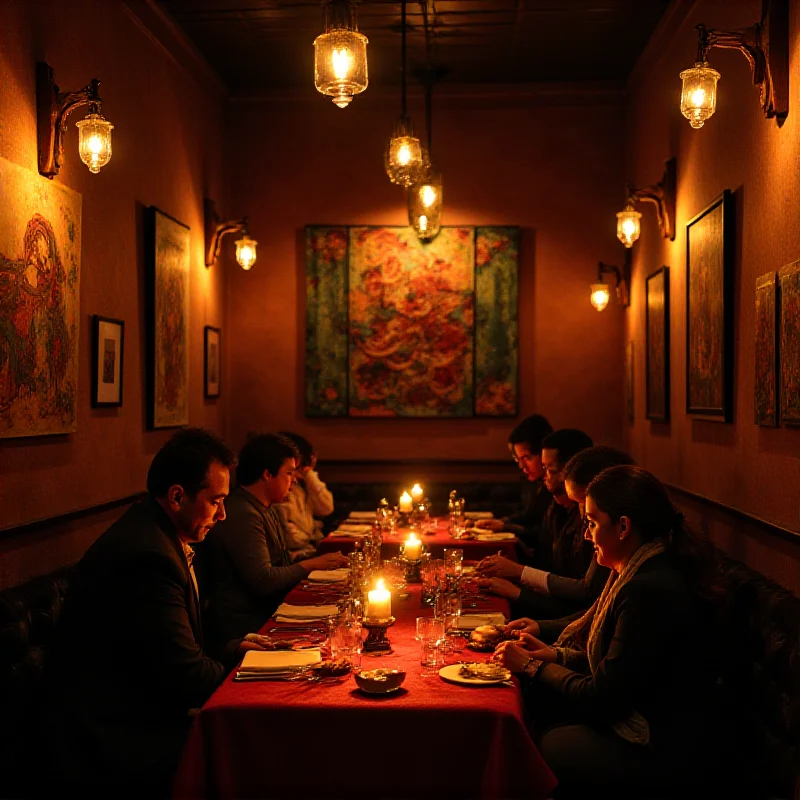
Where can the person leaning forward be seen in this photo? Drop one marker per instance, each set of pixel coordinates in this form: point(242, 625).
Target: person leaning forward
point(127, 663)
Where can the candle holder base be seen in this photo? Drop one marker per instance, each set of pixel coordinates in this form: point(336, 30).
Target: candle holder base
point(412, 570)
point(376, 641)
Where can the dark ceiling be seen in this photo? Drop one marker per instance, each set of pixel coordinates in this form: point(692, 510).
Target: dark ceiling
point(267, 44)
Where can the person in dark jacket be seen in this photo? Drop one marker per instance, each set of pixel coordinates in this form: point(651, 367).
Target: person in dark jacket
point(628, 684)
point(127, 662)
point(246, 560)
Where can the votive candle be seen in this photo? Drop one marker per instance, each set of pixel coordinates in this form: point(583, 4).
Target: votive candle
point(405, 503)
point(379, 602)
point(413, 548)
point(416, 493)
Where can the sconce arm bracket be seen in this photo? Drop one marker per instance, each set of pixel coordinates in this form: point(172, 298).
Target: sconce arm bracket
point(766, 47)
point(216, 229)
point(662, 195)
point(52, 109)
point(622, 277)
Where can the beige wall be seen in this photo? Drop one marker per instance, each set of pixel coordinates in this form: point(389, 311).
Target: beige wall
point(754, 469)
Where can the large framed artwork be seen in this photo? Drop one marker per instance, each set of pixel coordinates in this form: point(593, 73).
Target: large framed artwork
point(397, 328)
point(766, 345)
point(789, 391)
point(40, 265)
point(212, 361)
point(657, 345)
point(167, 251)
point(709, 311)
point(107, 359)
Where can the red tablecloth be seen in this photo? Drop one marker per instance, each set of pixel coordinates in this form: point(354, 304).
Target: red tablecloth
point(441, 538)
point(431, 739)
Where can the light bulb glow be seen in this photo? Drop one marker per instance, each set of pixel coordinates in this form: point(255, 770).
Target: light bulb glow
point(94, 141)
point(600, 295)
point(628, 225)
point(341, 61)
point(428, 195)
point(404, 155)
point(699, 93)
point(423, 223)
point(246, 252)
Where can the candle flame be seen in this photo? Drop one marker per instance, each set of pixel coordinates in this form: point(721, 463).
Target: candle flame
point(412, 538)
point(379, 585)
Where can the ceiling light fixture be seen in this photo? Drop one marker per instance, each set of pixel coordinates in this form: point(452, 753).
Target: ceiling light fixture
point(340, 53)
point(662, 195)
point(215, 230)
point(766, 47)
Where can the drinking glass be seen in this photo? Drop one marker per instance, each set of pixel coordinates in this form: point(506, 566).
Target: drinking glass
point(346, 640)
point(431, 636)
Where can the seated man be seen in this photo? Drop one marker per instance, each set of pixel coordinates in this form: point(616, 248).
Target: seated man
point(127, 662)
point(246, 558)
point(525, 444)
point(572, 593)
point(308, 498)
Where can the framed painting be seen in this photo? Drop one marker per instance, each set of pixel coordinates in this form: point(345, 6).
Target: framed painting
point(398, 328)
point(657, 345)
point(108, 336)
point(167, 253)
point(766, 355)
point(40, 266)
point(709, 311)
point(212, 361)
point(629, 385)
point(789, 347)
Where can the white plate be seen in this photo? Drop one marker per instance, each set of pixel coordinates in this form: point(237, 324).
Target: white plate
point(452, 673)
point(495, 537)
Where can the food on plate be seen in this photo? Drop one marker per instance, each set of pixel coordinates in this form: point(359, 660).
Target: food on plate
point(331, 668)
point(486, 671)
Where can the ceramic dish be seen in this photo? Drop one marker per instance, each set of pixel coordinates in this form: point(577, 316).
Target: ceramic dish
point(380, 681)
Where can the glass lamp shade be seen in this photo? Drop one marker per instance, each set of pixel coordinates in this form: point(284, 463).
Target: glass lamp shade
point(699, 93)
point(94, 141)
point(340, 64)
point(425, 207)
point(403, 158)
point(246, 252)
point(600, 295)
point(628, 225)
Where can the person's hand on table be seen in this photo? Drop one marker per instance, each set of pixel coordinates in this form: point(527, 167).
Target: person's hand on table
point(490, 524)
point(255, 641)
point(498, 566)
point(325, 561)
point(517, 655)
point(500, 587)
point(524, 625)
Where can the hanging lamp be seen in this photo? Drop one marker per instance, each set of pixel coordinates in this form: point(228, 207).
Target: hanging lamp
point(403, 158)
point(340, 53)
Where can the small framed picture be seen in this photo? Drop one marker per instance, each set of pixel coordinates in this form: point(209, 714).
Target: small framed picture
point(108, 336)
point(212, 361)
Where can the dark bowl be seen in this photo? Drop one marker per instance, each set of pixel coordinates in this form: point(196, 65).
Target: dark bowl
point(379, 681)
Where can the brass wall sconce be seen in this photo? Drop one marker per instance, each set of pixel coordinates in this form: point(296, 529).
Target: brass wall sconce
point(600, 292)
point(52, 109)
point(215, 229)
point(765, 45)
point(662, 195)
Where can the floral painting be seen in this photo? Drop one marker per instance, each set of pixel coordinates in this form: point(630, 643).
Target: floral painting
point(40, 260)
point(398, 328)
point(790, 344)
point(709, 311)
point(766, 406)
point(168, 328)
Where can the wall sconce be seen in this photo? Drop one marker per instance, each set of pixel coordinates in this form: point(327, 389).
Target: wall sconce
point(215, 230)
point(600, 292)
point(52, 109)
point(662, 195)
point(340, 54)
point(765, 45)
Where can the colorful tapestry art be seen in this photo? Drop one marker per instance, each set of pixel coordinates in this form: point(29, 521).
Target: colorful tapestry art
point(40, 260)
point(392, 328)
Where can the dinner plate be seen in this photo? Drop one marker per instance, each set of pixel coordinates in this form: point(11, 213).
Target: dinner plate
point(452, 673)
point(494, 537)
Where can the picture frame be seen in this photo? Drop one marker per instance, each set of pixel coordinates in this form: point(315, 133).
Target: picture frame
point(167, 254)
point(709, 311)
point(212, 361)
point(108, 350)
point(657, 333)
point(765, 394)
point(789, 344)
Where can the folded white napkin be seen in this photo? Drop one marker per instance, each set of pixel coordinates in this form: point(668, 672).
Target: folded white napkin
point(478, 515)
point(289, 611)
point(495, 537)
point(354, 515)
point(328, 575)
point(255, 661)
point(350, 534)
point(355, 528)
point(466, 622)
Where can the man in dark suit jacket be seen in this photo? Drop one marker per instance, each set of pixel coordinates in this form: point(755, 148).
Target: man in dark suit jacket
point(127, 663)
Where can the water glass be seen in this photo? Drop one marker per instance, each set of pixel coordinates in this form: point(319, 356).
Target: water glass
point(346, 640)
point(429, 627)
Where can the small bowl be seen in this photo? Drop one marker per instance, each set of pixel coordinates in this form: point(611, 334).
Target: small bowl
point(380, 681)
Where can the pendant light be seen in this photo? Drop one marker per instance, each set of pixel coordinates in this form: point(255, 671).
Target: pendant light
point(340, 53)
point(403, 158)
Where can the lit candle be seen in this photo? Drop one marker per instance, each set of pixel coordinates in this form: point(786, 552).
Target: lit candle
point(416, 493)
point(405, 503)
point(380, 602)
point(413, 547)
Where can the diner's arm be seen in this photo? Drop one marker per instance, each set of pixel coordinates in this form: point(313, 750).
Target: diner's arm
point(577, 591)
point(551, 629)
point(319, 495)
point(646, 626)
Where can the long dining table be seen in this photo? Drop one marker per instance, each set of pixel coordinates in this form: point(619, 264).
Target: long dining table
point(429, 739)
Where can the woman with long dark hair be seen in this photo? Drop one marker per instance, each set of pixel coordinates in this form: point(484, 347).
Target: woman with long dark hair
point(628, 684)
